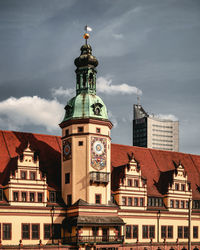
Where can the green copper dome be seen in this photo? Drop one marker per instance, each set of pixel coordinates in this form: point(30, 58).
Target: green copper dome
point(86, 104)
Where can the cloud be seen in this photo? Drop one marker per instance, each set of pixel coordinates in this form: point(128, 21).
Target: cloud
point(113, 119)
point(117, 36)
point(63, 92)
point(166, 117)
point(16, 113)
point(104, 85)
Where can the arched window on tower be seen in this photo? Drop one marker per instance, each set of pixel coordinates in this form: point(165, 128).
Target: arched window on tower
point(91, 80)
point(78, 81)
point(84, 80)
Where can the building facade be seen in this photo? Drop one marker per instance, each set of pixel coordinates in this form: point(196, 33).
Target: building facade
point(82, 191)
point(152, 132)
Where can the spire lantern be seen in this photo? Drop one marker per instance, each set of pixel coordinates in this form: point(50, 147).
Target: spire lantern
point(86, 104)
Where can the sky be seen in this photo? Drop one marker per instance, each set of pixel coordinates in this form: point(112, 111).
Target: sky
point(145, 47)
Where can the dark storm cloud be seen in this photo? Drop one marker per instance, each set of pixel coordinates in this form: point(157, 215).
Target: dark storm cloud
point(153, 45)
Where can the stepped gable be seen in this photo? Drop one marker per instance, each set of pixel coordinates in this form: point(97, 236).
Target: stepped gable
point(154, 162)
point(47, 147)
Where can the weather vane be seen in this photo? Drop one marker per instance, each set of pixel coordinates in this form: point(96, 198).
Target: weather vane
point(86, 35)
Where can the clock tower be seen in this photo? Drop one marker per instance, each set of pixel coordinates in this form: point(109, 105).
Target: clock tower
point(86, 142)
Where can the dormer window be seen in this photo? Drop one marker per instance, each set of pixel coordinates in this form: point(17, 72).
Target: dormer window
point(129, 183)
point(176, 186)
point(23, 175)
point(135, 183)
point(32, 175)
point(182, 187)
point(15, 196)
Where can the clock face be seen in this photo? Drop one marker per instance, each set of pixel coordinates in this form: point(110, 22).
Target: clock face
point(66, 149)
point(98, 153)
point(98, 147)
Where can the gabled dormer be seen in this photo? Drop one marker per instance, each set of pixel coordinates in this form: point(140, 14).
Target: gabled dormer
point(131, 192)
point(179, 190)
point(26, 185)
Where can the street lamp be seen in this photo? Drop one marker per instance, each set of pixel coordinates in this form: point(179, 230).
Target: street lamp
point(52, 225)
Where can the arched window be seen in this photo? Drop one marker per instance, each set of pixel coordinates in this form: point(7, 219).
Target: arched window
point(91, 80)
point(84, 80)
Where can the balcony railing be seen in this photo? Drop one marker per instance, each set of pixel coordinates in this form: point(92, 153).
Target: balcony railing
point(115, 239)
point(99, 177)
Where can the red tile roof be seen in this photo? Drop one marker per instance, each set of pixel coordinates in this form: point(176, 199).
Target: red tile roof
point(48, 147)
point(154, 162)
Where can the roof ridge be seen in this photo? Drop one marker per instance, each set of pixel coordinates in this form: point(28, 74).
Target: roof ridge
point(35, 133)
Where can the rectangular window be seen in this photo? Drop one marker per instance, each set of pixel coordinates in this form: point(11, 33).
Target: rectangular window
point(15, 196)
point(187, 204)
point(128, 231)
point(52, 196)
point(135, 183)
point(7, 229)
point(26, 231)
point(129, 201)
point(35, 231)
point(40, 197)
point(182, 204)
point(186, 232)
point(135, 231)
point(98, 130)
point(141, 202)
point(180, 232)
point(176, 186)
point(195, 232)
point(67, 178)
point(151, 232)
point(47, 231)
point(80, 143)
point(95, 231)
point(69, 199)
point(97, 198)
point(145, 232)
point(66, 132)
point(163, 232)
point(135, 202)
point(171, 203)
point(32, 197)
point(129, 183)
point(150, 202)
point(170, 232)
point(1, 194)
point(23, 175)
point(177, 204)
point(80, 129)
point(32, 175)
point(182, 187)
point(23, 196)
point(160, 203)
point(123, 201)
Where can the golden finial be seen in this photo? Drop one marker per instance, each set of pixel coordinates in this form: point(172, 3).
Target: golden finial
point(86, 35)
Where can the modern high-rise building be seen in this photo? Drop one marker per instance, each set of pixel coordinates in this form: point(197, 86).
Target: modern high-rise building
point(153, 132)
